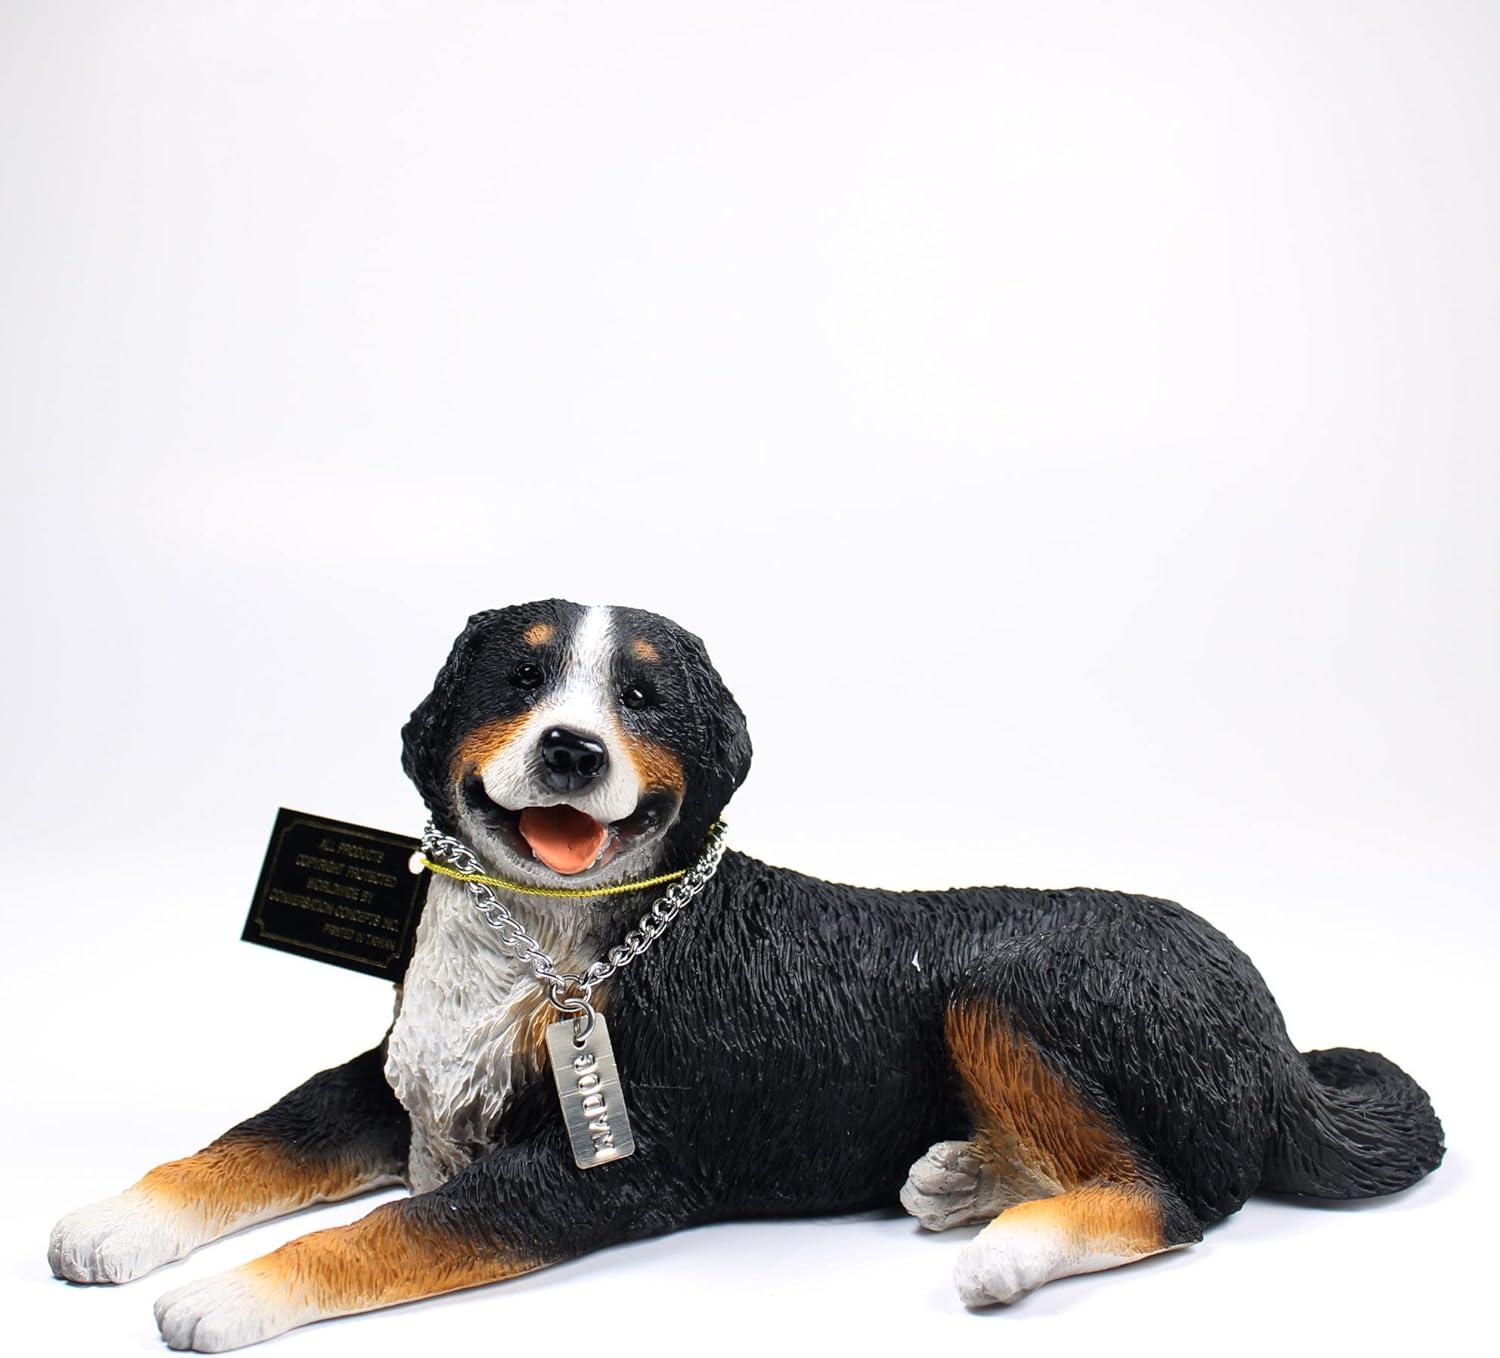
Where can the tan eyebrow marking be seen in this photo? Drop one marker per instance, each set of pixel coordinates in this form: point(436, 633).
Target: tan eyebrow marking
point(644, 650)
point(538, 634)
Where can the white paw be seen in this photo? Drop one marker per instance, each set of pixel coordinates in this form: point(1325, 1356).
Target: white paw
point(942, 1187)
point(955, 1185)
point(1007, 1260)
point(119, 1238)
point(225, 1311)
point(991, 1272)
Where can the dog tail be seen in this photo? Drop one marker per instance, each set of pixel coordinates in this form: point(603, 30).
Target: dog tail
point(1351, 1125)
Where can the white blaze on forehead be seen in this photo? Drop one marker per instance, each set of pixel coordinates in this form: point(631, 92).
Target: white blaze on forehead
point(590, 650)
point(583, 700)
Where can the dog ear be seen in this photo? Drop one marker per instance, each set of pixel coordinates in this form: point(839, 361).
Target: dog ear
point(427, 738)
point(720, 740)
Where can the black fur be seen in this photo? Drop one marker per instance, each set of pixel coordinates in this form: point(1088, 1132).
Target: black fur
point(343, 1114)
point(474, 687)
point(784, 1057)
point(695, 716)
point(782, 1046)
point(783, 1054)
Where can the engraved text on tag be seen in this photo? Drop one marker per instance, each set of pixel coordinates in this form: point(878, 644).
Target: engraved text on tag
point(588, 1086)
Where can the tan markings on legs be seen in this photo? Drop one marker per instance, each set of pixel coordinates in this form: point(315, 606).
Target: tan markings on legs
point(484, 742)
point(381, 1259)
point(386, 1257)
point(1117, 1219)
point(1026, 1112)
point(538, 634)
point(235, 1182)
point(644, 650)
point(242, 1178)
point(1082, 1199)
point(1084, 1230)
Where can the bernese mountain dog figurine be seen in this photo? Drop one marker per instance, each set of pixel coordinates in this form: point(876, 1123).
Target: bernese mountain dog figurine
point(1095, 1076)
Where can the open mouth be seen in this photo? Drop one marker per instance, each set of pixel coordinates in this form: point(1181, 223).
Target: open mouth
point(561, 837)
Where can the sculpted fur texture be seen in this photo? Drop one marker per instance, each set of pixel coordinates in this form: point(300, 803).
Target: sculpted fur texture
point(1094, 1076)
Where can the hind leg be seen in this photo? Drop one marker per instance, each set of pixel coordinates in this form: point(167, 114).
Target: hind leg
point(1082, 1197)
point(1084, 1230)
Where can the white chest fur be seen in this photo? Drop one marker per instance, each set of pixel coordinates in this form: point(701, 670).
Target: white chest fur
point(468, 1025)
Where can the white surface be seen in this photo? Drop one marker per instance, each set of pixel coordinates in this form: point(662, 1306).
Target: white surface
point(1072, 426)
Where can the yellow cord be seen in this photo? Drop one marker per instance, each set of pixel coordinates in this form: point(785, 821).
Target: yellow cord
point(563, 892)
point(571, 891)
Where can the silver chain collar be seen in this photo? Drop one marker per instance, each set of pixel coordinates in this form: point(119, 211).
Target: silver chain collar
point(570, 991)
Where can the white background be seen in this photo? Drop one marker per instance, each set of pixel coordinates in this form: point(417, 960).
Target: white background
point(1072, 425)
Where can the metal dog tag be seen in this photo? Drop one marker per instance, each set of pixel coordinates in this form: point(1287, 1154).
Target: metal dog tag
point(588, 1086)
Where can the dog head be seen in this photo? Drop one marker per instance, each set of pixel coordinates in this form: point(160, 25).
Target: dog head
point(572, 745)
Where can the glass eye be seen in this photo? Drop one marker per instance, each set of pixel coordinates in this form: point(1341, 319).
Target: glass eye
point(635, 697)
point(526, 676)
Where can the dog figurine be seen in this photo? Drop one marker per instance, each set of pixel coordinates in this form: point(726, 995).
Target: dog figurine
point(1097, 1076)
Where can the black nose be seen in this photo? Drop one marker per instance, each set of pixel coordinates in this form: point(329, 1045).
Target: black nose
point(571, 760)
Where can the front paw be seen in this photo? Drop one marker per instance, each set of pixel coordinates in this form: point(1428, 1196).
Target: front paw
point(226, 1311)
point(118, 1239)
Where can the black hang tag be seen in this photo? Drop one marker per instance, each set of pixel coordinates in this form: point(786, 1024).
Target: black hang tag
point(338, 893)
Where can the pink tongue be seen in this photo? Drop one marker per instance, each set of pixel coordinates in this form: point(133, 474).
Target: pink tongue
point(565, 840)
